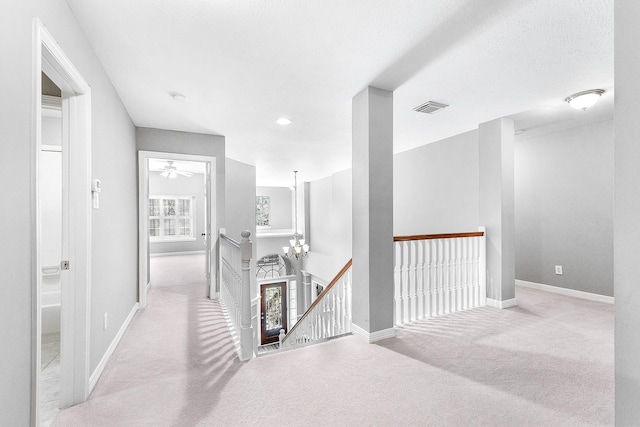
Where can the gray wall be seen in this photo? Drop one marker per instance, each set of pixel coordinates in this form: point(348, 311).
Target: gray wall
point(627, 213)
point(435, 190)
point(329, 225)
point(435, 187)
point(180, 186)
point(168, 141)
point(240, 205)
point(240, 211)
point(241, 199)
point(564, 208)
point(281, 206)
point(114, 226)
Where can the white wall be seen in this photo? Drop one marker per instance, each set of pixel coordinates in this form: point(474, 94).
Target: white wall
point(435, 188)
point(114, 227)
point(181, 186)
point(564, 208)
point(241, 214)
point(435, 191)
point(329, 225)
point(280, 204)
point(627, 213)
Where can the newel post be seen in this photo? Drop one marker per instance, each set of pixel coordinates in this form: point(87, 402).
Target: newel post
point(246, 330)
point(482, 268)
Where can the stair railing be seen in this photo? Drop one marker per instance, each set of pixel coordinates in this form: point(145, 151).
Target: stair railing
point(438, 274)
point(329, 316)
point(235, 287)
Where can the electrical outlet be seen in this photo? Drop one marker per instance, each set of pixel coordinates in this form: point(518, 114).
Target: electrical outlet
point(105, 322)
point(559, 270)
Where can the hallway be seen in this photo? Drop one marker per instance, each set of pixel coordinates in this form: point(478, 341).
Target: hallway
point(548, 361)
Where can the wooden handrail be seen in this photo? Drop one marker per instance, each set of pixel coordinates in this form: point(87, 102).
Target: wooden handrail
point(437, 236)
point(317, 301)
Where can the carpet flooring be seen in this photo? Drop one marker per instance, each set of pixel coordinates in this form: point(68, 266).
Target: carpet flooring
point(547, 362)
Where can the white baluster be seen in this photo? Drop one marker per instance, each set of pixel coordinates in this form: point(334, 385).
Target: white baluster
point(458, 282)
point(429, 278)
point(397, 310)
point(420, 278)
point(413, 280)
point(404, 289)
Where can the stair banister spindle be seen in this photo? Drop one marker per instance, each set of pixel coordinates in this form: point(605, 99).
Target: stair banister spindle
point(438, 274)
point(246, 327)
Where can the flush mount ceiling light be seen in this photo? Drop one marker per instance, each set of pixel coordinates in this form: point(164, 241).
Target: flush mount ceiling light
point(584, 100)
point(178, 97)
point(283, 121)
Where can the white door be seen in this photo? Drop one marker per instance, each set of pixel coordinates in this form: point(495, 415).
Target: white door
point(208, 240)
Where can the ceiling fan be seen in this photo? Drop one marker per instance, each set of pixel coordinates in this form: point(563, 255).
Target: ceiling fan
point(171, 171)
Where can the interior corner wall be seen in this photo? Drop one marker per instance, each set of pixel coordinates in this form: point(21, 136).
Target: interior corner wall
point(181, 186)
point(241, 215)
point(564, 208)
point(626, 236)
point(329, 225)
point(435, 187)
point(199, 144)
point(281, 205)
point(114, 225)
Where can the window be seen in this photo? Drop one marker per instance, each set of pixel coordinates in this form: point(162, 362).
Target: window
point(263, 207)
point(171, 218)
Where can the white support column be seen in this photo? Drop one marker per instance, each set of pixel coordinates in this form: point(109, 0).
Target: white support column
point(626, 221)
point(372, 214)
point(246, 330)
point(497, 210)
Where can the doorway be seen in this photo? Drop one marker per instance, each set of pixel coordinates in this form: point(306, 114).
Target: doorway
point(51, 217)
point(178, 222)
point(61, 195)
point(273, 311)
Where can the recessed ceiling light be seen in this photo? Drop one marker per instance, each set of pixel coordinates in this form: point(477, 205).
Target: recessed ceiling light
point(584, 100)
point(283, 121)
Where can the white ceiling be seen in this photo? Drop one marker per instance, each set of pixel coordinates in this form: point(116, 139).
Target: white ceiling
point(242, 64)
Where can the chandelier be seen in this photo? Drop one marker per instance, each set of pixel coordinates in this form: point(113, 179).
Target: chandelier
point(297, 247)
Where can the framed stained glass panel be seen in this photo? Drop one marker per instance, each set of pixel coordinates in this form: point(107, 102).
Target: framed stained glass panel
point(263, 207)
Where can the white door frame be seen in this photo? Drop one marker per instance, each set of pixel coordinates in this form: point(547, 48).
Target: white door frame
point(143, 217)
point(48, 57)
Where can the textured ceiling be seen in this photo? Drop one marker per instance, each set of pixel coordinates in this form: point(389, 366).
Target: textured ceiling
point(242, 64)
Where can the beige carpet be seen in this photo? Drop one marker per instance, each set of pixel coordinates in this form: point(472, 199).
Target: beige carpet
point(170, 270)
point(548, 362)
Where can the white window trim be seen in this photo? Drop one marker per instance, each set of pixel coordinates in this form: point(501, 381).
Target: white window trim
point(176, 238)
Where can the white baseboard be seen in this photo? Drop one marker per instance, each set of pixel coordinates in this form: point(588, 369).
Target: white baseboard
point(95, 376)
point(372, 337)
point(176, 253)
point(502, 304)
point(568, 292)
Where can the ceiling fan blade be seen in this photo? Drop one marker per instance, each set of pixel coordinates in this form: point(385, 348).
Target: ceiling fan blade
point(183, 173)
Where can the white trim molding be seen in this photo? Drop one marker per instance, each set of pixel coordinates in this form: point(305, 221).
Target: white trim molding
point(95, 376)
point(568, 292)
point(177, 253)
point(372, 337)
point(502, 304)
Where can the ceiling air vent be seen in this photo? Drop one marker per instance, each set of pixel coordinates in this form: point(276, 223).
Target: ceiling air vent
point(430, 107)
